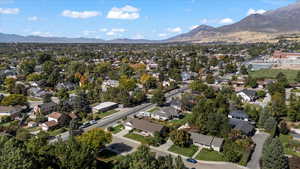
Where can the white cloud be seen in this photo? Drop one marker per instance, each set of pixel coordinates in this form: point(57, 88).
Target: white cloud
point(42, 34)
point(80, 15)
point(174, 30)
point(11, 11)
point(115, 31)
point(103, 30)
point(162, 35)
point(127, 12)
point(193, 27)
point(253, 11)
point(226, 21)
point(33, 18)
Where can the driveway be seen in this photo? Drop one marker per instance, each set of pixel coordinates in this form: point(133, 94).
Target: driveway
point(259, 138)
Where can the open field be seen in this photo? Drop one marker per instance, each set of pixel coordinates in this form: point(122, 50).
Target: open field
point(272, 73)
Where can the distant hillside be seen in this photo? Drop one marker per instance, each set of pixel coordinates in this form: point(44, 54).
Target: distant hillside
point(11, 38)
point(256, 27)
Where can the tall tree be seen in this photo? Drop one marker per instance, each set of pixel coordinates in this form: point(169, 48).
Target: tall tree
point(273, 155)
point(95, 138)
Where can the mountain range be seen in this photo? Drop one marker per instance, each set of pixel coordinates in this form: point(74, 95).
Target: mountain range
point(266, 27)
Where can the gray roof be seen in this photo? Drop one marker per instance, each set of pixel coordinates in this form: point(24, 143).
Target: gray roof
point(48, 105)
point(217, 142)
point(166, 112)
point(201, 139)
point(10, 109)
point(239, 114)
point(145, 125)
point(241, 125)
point(250, 93)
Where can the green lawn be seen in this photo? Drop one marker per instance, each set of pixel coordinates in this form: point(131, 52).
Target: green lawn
point(286, 140)
point(105, 114)
point(139, 138)
point(117, 129)
point(272, 73)
point(186, 151)
point(209, 155)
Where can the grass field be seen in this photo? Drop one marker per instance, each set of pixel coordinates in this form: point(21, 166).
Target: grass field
point(272, 73)
point(186, 151)
point(139, 138)
point(209, 155)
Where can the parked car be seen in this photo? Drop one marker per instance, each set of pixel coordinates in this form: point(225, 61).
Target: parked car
point(84, 125)
point(191, 160)
point(92, 122)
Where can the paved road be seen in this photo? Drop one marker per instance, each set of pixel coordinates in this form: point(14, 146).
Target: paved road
point(106, 121)
point(118, 116)
point(259, 138)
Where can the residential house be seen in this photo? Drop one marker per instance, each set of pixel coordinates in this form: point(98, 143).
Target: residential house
point(238, 114)
point(12, 111)
point(32, 124)
point(146, 127)
point(165, 113)
point(217, 144)
point(49, 125)
point(65, 85)
point(109, 83)
point(205, 141)
point(60, 118)
point(36, 92)
point(244, 126)
point(45, 108)
point(105, 106)
point(73, 116)
point(176, 104)
point(247, 95)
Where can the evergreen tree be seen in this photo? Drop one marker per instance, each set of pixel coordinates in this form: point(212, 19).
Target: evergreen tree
point(273, 155)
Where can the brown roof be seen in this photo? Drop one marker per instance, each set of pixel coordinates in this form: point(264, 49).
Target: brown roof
point(51, 123)
point(55, 115)
point(10, 108)
point(73, 115)
point(146, 125)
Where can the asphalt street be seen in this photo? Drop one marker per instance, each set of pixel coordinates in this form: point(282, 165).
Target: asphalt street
point(120, 115)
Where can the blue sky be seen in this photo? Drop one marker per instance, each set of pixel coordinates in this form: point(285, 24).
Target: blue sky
point(111, 19)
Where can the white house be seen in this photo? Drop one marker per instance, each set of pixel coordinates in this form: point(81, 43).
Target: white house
point(105, 106)
point(247, 95)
